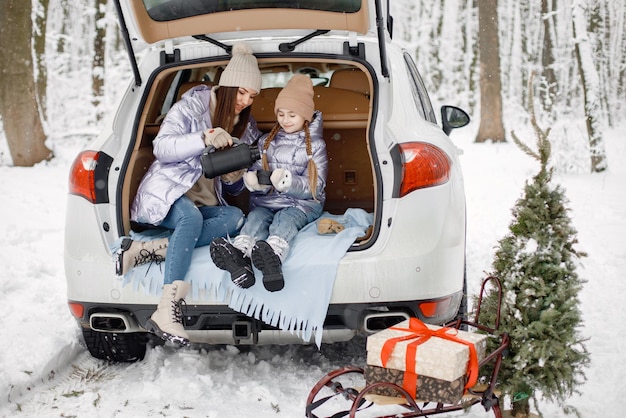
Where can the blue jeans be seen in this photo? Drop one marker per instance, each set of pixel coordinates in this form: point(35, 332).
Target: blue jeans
point(284, 223)
point(195, 227)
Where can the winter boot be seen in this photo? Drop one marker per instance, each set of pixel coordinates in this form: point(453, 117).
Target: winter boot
point(268, 256)
point(135, 253)
point(167, 321)
point(244, 243)
point(227, 257)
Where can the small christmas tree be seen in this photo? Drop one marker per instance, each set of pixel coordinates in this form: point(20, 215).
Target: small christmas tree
point(536, 263)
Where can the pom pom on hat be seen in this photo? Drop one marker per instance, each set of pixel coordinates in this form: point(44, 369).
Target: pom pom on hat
point(242, 70)
point(297, 96)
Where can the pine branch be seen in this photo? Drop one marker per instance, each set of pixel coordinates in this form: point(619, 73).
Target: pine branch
point(544, 149)
point(525, 148)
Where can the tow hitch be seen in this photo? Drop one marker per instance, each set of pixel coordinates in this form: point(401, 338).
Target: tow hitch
point(244, 330)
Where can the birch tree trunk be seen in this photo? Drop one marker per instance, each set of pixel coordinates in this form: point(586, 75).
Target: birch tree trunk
point(590, 82)
point(18, 94)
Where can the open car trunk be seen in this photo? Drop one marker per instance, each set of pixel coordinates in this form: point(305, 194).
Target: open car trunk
point(342, 93)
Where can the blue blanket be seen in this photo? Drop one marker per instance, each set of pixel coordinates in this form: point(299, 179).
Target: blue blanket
point(309, 271)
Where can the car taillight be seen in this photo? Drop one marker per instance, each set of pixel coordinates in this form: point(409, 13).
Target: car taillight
point(423, 165)
point(89, 176)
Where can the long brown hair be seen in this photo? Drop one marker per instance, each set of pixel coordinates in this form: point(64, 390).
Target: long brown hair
point(225, 112)
point(311, 167)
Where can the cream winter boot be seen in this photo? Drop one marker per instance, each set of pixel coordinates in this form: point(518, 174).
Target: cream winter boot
point(135, 253)
point(167, 321)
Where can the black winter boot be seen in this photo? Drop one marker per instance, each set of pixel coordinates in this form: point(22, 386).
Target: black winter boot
point(229, 258)
point(265, 259)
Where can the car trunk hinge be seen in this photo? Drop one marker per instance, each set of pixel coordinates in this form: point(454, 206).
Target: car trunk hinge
point(382, 46)
point(129, 46)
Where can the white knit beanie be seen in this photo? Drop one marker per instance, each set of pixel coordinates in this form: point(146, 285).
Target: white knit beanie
point(242, 70)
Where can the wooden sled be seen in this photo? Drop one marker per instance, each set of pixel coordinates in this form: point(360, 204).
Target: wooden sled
point(349, 383)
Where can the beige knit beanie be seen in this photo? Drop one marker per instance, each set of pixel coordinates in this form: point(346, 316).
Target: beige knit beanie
point(242, 70)
point(297, 96)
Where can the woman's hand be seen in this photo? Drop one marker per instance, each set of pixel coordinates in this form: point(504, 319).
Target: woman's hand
point(217, 137)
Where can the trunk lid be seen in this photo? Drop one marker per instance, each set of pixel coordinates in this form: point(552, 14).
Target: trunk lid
point(152, 21)
point(148, 22)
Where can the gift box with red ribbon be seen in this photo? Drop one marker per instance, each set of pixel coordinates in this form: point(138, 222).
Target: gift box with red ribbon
point(428, 350)
point(427, 388)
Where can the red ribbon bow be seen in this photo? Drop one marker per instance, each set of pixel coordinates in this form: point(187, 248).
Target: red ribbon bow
point(421, 333)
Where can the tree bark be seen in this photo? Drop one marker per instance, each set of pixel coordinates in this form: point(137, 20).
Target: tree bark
point(491, 126)
point(548, 92)
point(97, 68)
point(18, 95)
point(39, 45)
point(590, 82)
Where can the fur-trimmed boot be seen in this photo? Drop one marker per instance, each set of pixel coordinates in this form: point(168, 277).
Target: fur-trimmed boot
point(268, 257)
point(227, 256)
point(244, 243)
point(135, 253)
point(167, 321)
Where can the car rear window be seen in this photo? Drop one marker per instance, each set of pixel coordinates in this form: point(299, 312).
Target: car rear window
point(166, 10)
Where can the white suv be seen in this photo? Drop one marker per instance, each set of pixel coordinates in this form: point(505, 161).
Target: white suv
point(387, 158)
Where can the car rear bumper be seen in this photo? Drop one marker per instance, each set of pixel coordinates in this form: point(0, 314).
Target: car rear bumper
point(218, 324)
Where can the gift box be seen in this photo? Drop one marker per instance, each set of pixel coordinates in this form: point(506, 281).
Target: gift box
point(428, 350)
point(427, 388)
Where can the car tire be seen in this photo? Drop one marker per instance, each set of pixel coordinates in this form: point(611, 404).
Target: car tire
point(462, 312)
point(116, 347)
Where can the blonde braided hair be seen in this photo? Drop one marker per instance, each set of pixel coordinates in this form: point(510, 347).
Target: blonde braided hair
point(311, 167)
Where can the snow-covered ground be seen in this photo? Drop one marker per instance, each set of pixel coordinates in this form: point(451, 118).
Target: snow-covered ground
point(45, 372)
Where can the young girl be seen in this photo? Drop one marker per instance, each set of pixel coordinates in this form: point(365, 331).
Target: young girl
point(174, 194)
point(294, 153)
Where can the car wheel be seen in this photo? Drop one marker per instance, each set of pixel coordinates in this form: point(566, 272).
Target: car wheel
point(115, 347)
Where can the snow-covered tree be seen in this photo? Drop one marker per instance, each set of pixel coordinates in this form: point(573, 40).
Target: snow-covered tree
point(590, 81)
point(536, 263)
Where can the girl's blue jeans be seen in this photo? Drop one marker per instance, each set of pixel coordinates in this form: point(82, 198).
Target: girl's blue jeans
point(284, 223)
point(195, 227)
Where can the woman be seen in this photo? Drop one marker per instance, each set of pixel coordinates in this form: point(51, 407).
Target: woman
point(174, 194)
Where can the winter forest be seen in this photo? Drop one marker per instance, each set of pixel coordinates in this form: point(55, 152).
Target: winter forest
point(67, 54)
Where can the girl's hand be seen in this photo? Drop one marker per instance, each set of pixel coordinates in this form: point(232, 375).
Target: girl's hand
point(281, 179)
point(251, 181)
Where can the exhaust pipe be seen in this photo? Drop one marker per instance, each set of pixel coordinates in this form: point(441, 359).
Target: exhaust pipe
point(113, 322)
point(379, 321)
